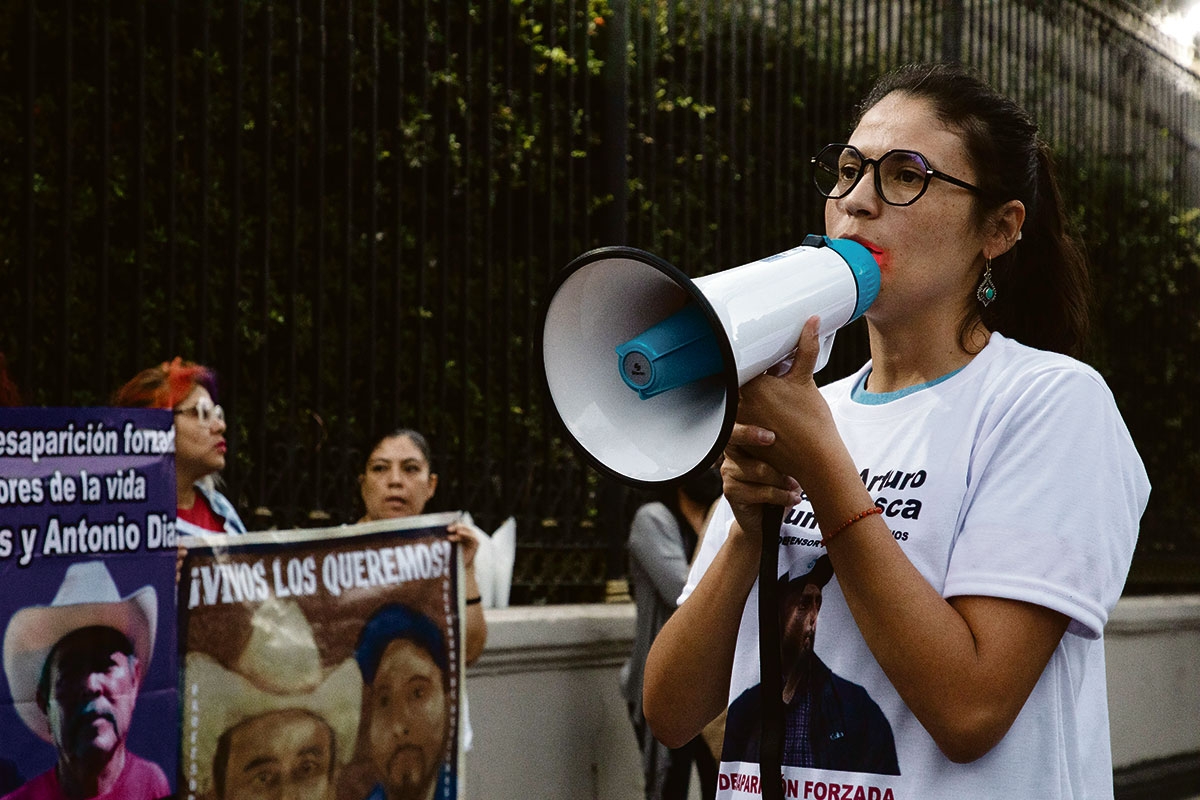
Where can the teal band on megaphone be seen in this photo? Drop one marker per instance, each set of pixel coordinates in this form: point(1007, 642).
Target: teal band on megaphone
point(865, 269)
point(680, 349)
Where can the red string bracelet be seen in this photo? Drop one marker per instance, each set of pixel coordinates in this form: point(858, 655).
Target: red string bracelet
point(860, 515)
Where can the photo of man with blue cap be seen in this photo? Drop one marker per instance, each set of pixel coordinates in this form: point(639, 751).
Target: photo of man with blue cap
point(408, 704)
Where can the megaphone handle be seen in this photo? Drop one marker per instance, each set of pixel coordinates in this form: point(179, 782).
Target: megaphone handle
point(770, 668)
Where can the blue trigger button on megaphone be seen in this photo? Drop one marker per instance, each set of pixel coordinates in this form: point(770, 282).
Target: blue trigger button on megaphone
point(677, 351)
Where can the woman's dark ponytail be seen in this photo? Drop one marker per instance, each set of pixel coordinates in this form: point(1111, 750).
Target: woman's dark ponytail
point(1043, 286)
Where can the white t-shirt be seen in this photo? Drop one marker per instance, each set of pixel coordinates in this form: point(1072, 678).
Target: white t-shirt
point(1014, 478)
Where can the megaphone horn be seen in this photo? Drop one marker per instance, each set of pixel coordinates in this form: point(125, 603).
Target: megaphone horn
point(643, 364)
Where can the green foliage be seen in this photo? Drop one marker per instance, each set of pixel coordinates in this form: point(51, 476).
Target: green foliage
point(1145, 254)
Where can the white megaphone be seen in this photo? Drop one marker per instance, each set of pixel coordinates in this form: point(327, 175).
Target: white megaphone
point(643, 364)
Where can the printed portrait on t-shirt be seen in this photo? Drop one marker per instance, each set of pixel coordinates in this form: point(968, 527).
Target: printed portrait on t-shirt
point(829, 722)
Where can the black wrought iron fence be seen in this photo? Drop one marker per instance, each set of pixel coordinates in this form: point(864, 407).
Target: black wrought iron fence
point(351, 210)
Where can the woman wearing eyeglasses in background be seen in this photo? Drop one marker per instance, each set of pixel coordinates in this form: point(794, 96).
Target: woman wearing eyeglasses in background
point(188, 389)
point(978, 499)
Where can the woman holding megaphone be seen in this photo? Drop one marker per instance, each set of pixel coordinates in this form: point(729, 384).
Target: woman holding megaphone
point(972, 488)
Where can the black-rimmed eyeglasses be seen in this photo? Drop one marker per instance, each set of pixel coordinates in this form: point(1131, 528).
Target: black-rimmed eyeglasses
point(901, 176)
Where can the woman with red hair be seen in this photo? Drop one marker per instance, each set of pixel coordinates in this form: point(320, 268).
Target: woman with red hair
point(189, 390)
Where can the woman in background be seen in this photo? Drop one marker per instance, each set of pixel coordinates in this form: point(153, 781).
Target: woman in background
point(662, 540)
point(189, 390)
point(397, 481)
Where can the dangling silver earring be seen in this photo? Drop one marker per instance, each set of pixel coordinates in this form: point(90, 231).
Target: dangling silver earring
point(986, 291)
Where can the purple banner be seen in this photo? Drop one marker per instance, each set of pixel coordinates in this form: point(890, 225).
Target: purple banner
point(87, 602)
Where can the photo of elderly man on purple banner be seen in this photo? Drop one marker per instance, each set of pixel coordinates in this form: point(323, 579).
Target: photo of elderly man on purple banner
point(75, 668)
point(89, 698)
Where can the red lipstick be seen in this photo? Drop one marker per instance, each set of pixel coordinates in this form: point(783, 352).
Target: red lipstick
point(882, 257)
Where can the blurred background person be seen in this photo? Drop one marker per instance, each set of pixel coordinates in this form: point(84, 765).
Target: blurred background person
point(662, 540)
point(398, 481)
point(10, 396)
point(190, 391)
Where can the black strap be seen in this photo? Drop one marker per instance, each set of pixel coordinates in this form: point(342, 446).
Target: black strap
point(771, 742)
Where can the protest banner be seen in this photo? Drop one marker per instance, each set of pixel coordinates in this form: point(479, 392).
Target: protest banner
point(87, 598)
point(338, 649)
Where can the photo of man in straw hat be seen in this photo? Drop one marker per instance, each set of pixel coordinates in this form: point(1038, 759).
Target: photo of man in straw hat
point(274, 725)
point(74, 669)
